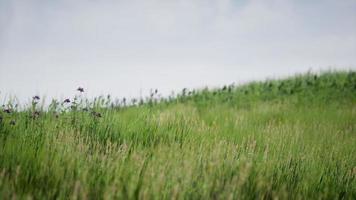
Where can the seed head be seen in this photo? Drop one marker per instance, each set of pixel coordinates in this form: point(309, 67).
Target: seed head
point(37, 112)
point(96, 114)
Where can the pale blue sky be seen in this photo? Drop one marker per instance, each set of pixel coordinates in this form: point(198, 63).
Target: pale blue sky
point(124, 47)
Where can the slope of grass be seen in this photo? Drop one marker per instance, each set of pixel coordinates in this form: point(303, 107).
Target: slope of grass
point(288, 139)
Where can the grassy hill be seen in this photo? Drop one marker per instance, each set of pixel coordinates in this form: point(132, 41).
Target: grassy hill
point(289, 139)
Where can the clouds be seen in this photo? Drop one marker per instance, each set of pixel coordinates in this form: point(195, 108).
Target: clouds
point(124, 46)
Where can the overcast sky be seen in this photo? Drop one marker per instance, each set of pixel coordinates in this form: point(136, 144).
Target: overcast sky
point(124, 47)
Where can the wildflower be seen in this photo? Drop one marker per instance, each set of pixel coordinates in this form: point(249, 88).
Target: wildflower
point(7, 110)
point(66, 101)
point(36, 98)
point(12, 122)
point(80, 89)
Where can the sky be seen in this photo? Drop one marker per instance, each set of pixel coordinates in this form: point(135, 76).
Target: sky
point(126, 48)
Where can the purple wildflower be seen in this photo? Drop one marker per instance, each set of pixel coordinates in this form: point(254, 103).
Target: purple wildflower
point(80, 89)
point(36, 98)
point(66, 101)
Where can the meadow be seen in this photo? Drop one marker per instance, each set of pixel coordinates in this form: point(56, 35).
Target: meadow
point(293, 138)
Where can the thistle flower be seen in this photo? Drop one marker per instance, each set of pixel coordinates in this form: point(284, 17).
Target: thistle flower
point(66, 101)
point(80, 89)
point(35, 98)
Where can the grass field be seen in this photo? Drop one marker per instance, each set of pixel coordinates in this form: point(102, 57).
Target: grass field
point(288, 139)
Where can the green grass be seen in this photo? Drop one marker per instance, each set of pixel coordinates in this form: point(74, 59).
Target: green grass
point(288, 139)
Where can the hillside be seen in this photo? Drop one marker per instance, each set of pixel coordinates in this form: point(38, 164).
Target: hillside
point(292, 138)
